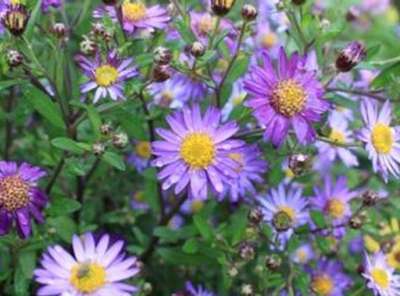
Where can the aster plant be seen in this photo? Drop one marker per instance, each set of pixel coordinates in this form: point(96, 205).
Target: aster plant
point(189, 148)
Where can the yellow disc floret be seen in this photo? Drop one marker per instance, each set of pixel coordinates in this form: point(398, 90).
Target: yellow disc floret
point(133, 11)
point(337, 136)
point(322, 285)
point(143, 149)
point(197, 150)
point(106, 75)
point(380, 277)
point(269, 40)
point(382, 138)
point(336, 208)
point(288, 98)
point(88, 277)
point(14, 193)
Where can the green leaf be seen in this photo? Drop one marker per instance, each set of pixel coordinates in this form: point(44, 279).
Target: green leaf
point(42, 104)
point(175, 256)
point(386, 76)
point(191, 246)
point(95, 120)
point(8, 83)
point(27, 262)
point(65, 227)
point(203, 226)
point(318, 218)
point(238, 225)
point(114, 160)
point(21, 283)
point(68, 145)
point(63, 206)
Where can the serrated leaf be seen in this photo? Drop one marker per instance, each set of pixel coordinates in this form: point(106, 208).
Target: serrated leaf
point(114, 160)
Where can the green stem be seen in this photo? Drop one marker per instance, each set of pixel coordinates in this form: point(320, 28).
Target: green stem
point(384, 62)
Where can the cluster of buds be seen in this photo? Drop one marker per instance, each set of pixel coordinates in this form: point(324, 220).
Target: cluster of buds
point(350, 56)
point(14, 58)
point(162, 59)
point(15, 19)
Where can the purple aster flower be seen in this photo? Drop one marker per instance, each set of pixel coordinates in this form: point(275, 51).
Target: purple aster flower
point(288, 97)
point(333, 199)
point(46, 4)
point(251, 167)
point(20, 197)
point(303, 254)
point(140, 157)
point(285, 209)
point(94, 269)
point(106, 77)
point(381, 140)
point(195, 152)
point(339, 134)
point(328, 279)
point(381, 278)
point(197, 291)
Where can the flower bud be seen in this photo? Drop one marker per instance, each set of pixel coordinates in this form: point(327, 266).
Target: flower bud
point(299, 163)
point(120, 140)
point(98, 29)
point(246, 251)
point(15, 19)
point(249, 12)
point(273, 262)
point(161, 73)
point(197, 49)
point(350, 56)
point(246, 290)
point(98, 149)
point(88, 46)
point(356, 222)
point(233, 271)
point(222, 7)
point(369, 198)
point(110, 2)
point(105, 129)
point(59, 30)
point(14, 58)
point(147, 288)
point(353, 14)
point(255, 216)
point(162, 56)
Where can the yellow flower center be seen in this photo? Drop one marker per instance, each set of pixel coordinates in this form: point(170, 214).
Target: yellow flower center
point(289, 173)
point(14, 193)
point(133, 11)
point(143, 149)
point(269, 40)
point(322, 285)
point(166, 98)
point(106, 75)
point(198, 150)
point(337, 136)
point(382, 138)
point(284, 218)
point(16, 2)
point(380, 277)
point(139, 196)
point(288, 98)
point(197, 205)
point(336, 208)
point(302, 256)
point(88, 277)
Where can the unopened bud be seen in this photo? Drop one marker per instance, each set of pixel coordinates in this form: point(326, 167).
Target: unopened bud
point(299, 163)
point(197, 49)
point(98, 29)
point(249, 12)
point(233, 271)
point(246, 290)
point(298, 2)
point(162, 56)
point(120, 140)
point(246, 251)
point(147, 288)
point(369, 198)
point(98, 149)
point(15, 19)
point(105, 129)
point(352, 14)
point(273, 262)
point(88, 46)
point(161, 73)
point(356, 222)
point(14, 58)
point(59, 30)
point(110, 2)
point(350, 56)
point(222, 7)
point(255, 216)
